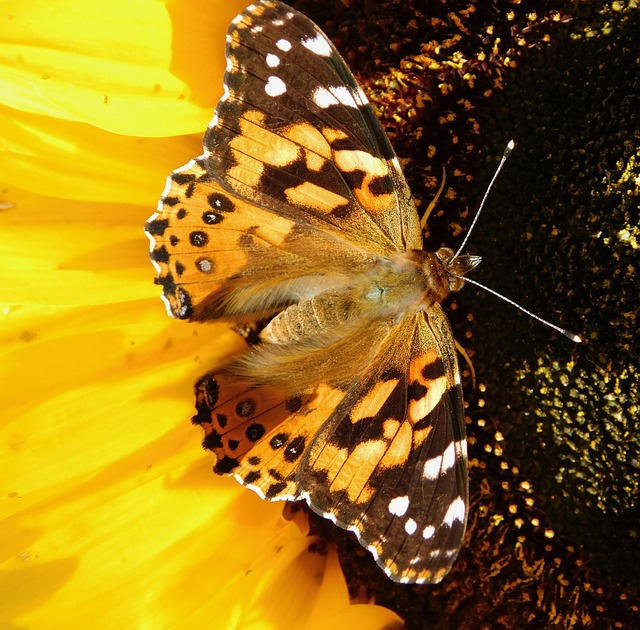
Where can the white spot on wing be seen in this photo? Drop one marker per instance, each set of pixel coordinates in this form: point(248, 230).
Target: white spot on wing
point(272, 60)
point(318, 45)
point(447, 553)
point(410, 527)
point(456, 512)
point(275, 86)
point(361, 97)
point(432, 468)
point(325, 97)
point(344, 95)
point(449, 457)
point(399, 506)
point(284, 45)
point(437, 466)
point(428, 532)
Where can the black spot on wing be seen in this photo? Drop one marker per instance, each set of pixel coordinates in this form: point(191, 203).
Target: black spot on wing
point(156, 227)
point(225, 465)
point(433, 370)
point(212, 441)
point(251, 477)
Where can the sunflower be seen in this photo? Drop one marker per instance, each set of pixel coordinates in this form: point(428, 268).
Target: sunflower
point(111, 516)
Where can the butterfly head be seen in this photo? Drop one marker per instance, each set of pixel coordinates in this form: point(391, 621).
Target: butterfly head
point(457, 266)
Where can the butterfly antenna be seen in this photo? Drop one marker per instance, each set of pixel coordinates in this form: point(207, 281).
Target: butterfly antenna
point(564, 331)
point(577, 338)
point(510, 146)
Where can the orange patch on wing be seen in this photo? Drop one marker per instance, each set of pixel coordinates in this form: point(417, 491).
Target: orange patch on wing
point(313, 161)
point(436, 387)
point(398, 451)
point(307, 136)
point(311, 196)
point(373, 167)
point(333, 134)
point(356, 471)
point(273, 149)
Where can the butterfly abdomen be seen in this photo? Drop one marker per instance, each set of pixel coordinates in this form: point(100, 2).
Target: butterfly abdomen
point(328, 311)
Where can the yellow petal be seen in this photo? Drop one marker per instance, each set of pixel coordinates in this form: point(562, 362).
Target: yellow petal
point(73, 160)
point(144, 68)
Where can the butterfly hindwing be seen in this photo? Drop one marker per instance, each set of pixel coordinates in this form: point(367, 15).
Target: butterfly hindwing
point(202, 237)
point(210, 246)
point(260, 434)
point(390, 464)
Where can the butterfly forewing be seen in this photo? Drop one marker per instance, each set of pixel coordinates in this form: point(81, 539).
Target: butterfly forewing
point(295, 131)
point(297, 216)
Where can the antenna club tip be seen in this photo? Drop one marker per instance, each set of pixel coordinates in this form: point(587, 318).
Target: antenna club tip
point(511, 145)
point(576, 338)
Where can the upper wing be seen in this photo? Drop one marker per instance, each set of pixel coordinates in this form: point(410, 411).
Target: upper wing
point(295, 132)
point(297, 180)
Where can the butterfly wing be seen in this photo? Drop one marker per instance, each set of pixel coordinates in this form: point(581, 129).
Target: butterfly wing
point(296, 132)
point(218, 255)
point(259, 434)
point(384, 456)
point(390, 464)
point(297, 176)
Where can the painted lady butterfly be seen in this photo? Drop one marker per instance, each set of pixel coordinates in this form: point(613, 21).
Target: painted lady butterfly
point(298, 215)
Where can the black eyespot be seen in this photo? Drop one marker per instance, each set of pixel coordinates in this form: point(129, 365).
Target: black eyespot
point(205, 265)
point(220, 203)
point(198, 239)
point(254, 432)
point(294, 449)
point(211, 218)
point(278, 441)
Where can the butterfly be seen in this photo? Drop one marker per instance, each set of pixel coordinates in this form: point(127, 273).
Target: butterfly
point(297, 220)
